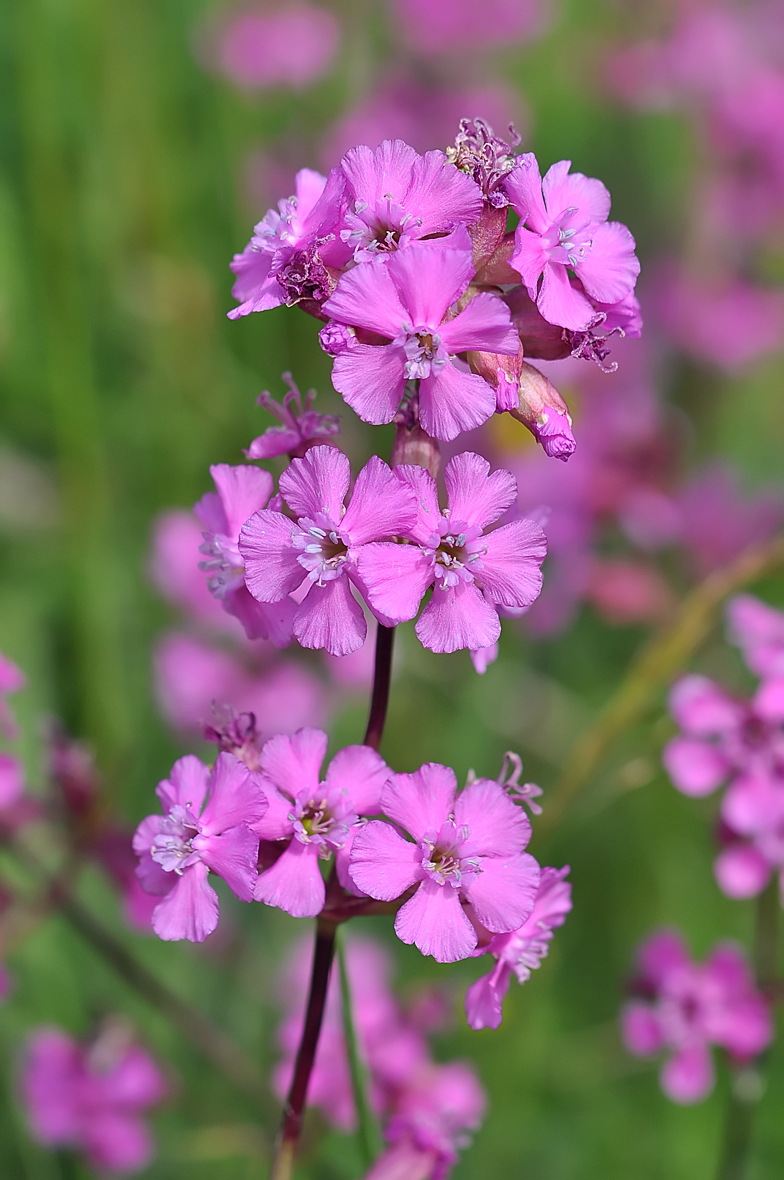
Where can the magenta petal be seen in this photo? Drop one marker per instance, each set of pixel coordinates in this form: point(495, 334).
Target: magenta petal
point(366, 297)
point(434, 921)
point(11, 780)
point(317, 483)
point(430, 276)
point(510, 572)
point(381, 505)
point(496, 825)
point(560, 303)
point(483, 999)
point(426, 496)
point(523, 186)
point(330, 617)
point(383, 865)
point(696, 768)
point(504, 892)
point(458, 617)
point(741, 871)
point(688, 1076)
point(662, 954)
point(275, 823)
point(233, 856)
point(362, 774)
point(293, 761)
point(190, 910)
point(186, 785)
point(236, 796)
point(485, 325)
point(371, 379)
point(744, 1027)
point(702, 708)
point(294, 883)
point(271, 567)
point(529, 258)
point(243, 490)
point(564, 190)
point(118, 1141)
point(452, 402)
point(395, 578)
point(262, 620)
point(641, 1029)
point(422, 801)
point(372, 174)
point(477, 498)
point(610, 268)
point(152, 877)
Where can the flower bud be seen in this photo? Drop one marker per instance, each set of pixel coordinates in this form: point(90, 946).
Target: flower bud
point(541, 341)
point(413, 446)
point(502, 373)
point(544, 412)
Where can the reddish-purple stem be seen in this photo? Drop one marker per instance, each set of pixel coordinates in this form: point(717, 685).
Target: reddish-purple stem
point(382, 674)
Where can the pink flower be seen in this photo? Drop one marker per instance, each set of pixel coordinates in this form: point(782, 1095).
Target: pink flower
point(174, 569)
point(758, 630)
point(12, 679)
point(688, 1007)
point(205, 826)
point(92, 1097)
point(404, 299)
point(318, 549)
point(521, 951)
point(241, 492)
point(441, 26)
point(318, 819)
point(563, 224)
point(300, 428)
point(465, 848)
point(397, 196)
point(474, 572)
point(191, 676)
point(718, 523)
point(292, 46)
point(11, 780)
point(281, 264)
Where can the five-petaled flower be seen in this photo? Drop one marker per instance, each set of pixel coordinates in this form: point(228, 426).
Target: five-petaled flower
point(465, 848)
point(206, 825)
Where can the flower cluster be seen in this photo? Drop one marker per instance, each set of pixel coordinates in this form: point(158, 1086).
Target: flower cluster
point(726, 740)
point(427, 1107)
point(685, 1007)
point(92, 1096)
point(399, 251)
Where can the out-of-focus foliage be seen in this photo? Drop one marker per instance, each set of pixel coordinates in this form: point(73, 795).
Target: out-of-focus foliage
point(127, 179)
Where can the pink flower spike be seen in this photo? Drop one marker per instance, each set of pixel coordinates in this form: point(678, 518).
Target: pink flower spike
point(466, 848)
point(319, 819)
point(404, 300)
point(474, 572)
point(206, 826)
point(300, 426)
point(320, 549)
point(563, 224)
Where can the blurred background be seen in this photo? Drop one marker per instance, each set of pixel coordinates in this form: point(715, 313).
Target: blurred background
point(141, 142)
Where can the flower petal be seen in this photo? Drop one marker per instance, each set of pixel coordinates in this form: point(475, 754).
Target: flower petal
point(262, 620)
point(186, 785)
point(741, 871)
point(485, 325)
point(430, 276)
point(381, 505)
point(641, 1029)
point(271, 567)
point(434, 921)
point(523, 186)
point(371, 379)
point(243, 490)
point(484, 998)
point(362, 774)
point(234, 857)
point(236, 796)
point(330, 617)
point(383, 865)
point(293, 761)
point(442, 196)
point(426, 496)
point(689, 1075)
point(317, 483)
point(503, 892)
point(609, 270)
point(453, 402)
point(529, 258)
point(477, 498)
point(366, 297)
point(696, 768)
point(496, 825)
point(294, 883)
point(510, 572)
point(458, 617)
point(564, 190)
point(422, 801)
point(395, 578)
point(560, 303)
point(189, 910)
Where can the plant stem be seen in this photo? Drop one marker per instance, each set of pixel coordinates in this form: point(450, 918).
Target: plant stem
point(369, 1135)
point(747, 1083)
point(285, 1149)
point(382, 672)
point(660, 659)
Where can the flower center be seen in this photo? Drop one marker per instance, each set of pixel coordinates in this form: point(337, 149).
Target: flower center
point(424, 352)
point(454, 562)
point(323, 553)
point(324, 821)
point(441, 857)
point(172, 848)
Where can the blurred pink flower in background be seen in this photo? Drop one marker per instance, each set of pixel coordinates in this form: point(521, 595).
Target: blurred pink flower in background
point(685, 1007)
point(12, 679)
point(261, 47)
point(91, 1097)
point(438, 26)
point(717, 523)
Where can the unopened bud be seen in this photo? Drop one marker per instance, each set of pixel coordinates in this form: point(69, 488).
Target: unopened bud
point(541, 340)
point(544, 412)
point(413, 446)
point(502, 373)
